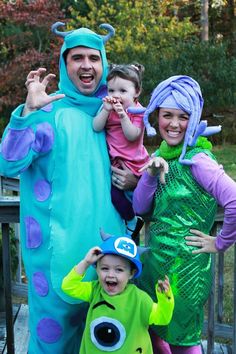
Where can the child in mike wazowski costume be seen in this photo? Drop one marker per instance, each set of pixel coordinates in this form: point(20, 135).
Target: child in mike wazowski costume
point(119, 314)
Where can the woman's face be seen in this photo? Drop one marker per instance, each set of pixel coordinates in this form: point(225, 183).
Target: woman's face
point(172, 125)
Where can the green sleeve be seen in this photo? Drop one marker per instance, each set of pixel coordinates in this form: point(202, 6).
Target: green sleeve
point(73, 286)
point(162, 311)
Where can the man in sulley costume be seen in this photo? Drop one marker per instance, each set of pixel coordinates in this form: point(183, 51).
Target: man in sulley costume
point(65, 179)
point(185, 205)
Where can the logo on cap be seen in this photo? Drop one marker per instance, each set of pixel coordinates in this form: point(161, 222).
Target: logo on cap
point(125, 246)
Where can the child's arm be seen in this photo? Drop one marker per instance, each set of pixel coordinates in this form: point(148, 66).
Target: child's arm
point(72, 284)
point(130, 131)
point(162, 311)
point(100, 120)
point(91, 257)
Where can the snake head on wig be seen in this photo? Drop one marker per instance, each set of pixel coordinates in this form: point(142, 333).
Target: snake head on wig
point(179, 92)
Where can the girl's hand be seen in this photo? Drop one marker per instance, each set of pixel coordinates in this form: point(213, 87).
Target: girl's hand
point(108, 103)
point(164, 285)
point(118, 107)
point(156, 165)
point(206, 243)
point(93, 255)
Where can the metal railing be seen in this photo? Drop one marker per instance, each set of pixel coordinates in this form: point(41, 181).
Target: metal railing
point(213, 327)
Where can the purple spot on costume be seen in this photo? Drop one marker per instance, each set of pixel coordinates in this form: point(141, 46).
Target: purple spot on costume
point(102, 92)
point(44, 138)
point(33, 233)
point(47, 108)
point(40, 283)
point(42, 190)
point(49, 330)
point(17, 144)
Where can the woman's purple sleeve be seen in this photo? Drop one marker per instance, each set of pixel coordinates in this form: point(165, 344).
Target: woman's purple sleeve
point(212, 177)
point(144, 193)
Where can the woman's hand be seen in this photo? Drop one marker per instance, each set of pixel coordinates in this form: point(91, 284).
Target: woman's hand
point(155, 166)
point(206, 243)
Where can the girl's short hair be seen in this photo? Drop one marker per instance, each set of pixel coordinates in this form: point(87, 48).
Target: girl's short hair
point(132, 72)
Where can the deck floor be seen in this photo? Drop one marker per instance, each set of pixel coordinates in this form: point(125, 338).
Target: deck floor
point(21, 333)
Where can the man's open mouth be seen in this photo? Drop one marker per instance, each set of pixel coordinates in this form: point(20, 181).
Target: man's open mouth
point(86, 78)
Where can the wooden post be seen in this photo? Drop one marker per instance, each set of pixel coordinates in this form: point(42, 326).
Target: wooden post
point(6, 260)
point(211, 314)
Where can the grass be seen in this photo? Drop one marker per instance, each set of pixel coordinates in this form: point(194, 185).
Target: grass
point(226, 155)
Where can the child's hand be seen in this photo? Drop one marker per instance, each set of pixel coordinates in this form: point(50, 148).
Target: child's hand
point(156, 165)
point(118, 107)
point(93, 255)
point(109, 102)
point(164, 285)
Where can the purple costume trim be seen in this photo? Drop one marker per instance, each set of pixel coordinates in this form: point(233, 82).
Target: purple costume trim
point(49, 330)
point(42, 190)
point(44, 138)
point(33, 233)
point(214, 180)
point(17, 144)
point(40, 283)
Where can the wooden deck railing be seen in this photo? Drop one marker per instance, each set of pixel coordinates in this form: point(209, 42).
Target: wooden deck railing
point(9, 213)
point(213, 327)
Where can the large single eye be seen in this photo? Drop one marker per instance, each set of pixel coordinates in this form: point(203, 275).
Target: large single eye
point(107, 334)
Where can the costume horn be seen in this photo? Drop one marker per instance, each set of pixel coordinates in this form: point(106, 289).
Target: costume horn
point(110, 29)
point(59, 33)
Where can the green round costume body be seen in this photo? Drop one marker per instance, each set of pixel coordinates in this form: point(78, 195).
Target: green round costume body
point(180, 205)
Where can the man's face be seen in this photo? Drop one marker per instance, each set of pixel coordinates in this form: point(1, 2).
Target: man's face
point(84, 68)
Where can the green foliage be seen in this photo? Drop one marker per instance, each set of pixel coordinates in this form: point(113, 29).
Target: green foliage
point(207, 62)
point(141, 27)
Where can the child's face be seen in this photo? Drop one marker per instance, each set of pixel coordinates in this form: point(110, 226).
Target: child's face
point(123, 90)
point(114, 272)
point(172, 125)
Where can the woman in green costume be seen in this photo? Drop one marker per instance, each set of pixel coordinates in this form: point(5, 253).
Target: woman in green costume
point(181, 188)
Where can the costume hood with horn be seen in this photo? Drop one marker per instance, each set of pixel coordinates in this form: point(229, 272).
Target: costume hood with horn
point(86, 38)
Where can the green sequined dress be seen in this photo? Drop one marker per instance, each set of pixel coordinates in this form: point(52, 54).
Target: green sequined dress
point(179, 205)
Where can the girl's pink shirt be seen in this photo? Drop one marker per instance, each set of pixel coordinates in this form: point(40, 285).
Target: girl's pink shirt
point(132, 153)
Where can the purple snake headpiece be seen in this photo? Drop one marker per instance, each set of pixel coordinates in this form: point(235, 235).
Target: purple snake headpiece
point(186, 94)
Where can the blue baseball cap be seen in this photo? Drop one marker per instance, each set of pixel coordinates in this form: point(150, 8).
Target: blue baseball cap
point(123, 246)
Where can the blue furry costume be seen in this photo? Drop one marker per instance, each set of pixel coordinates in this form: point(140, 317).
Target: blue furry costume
point(65, 198)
